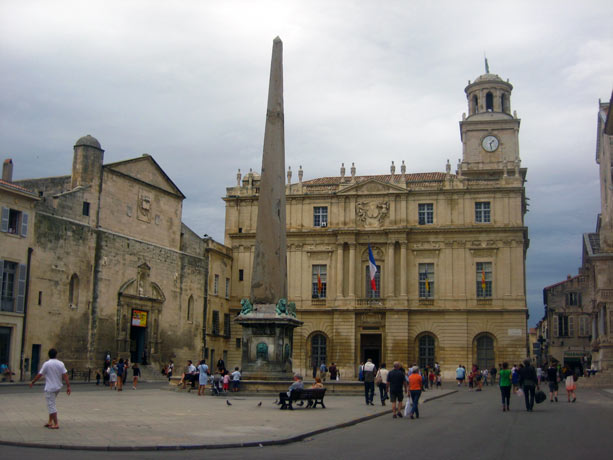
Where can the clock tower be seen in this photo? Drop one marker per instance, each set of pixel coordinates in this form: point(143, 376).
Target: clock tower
point(490, 132)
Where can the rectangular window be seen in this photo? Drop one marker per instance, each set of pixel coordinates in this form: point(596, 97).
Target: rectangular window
point(238, 343)
point(320, 216)
point(241, 274)
point(572, 299)
point(216, 285)
point(9, 285)
point(40, 297)
point(563, 326)
point(215, 325)
point(426, 281)
point(14, 222)
point(426, 213)
point(482, 212)
point(319, 281)
point(226, 324)
point(227, 288)
point(85, 208)
point(376, 293)
point(484, 280)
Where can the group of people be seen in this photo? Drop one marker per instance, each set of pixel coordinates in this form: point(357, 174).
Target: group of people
point(394, 384)
point(221, 379)
point(523, 380)
point(322, 371)
point(115, 373)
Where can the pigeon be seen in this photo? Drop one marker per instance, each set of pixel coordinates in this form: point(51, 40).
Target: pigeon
point(260, 403)
point(228, 403)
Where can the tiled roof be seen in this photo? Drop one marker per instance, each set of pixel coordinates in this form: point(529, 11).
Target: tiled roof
point(15, 187)
point(394, 179)
point(562, 282)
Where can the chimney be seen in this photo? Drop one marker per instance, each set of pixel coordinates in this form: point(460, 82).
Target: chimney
point(7, 170)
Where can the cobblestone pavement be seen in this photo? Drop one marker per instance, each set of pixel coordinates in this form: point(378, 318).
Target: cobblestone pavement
point(156, 418)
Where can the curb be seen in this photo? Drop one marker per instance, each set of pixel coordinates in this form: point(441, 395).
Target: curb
point(162, 447)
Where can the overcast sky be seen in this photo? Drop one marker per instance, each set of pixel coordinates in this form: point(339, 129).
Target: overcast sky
point(365, 82)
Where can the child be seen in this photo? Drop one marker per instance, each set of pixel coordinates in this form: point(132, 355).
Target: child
point(226, 382)
point(136, 375)
point(438, 381)
point(471, 377)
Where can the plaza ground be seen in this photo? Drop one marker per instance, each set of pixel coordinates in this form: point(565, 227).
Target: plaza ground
point(460, 425)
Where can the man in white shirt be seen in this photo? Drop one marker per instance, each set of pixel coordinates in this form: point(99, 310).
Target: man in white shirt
point(54, 371)
point(236, 378)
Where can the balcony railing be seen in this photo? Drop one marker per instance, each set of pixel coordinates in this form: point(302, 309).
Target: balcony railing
point(318, 302)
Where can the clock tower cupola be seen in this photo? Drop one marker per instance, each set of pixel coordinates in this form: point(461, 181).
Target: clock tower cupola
point(490, 131)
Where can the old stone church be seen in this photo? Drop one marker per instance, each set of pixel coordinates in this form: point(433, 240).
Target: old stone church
point(113, 269)
point(449, 248)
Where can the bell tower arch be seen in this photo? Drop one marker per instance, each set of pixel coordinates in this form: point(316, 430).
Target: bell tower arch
point(490, 132)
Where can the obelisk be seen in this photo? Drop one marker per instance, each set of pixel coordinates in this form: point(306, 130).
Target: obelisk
point(269, 277)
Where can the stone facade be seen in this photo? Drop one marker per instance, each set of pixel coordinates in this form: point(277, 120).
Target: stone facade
point(568, 317)
point(450, 250)
point(566, 338)
point(17, 205)
point(115, 270)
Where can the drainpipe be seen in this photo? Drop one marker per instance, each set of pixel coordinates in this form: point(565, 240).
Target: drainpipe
point(207, 258)
point(25, 316)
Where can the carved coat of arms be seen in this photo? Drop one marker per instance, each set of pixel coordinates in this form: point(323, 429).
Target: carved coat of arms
point(371, 213)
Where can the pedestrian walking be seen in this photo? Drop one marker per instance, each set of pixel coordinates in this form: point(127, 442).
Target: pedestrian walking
point(505, 386)
point(484, 374)
point(333, 371)
point(381, 382)
point(369, 382)
point(515, 378)
point(415, 389)
point(493, 372)
point(322, 371)
point(54, 372)
point(203, 377)
point(552, 380)
point(135, 375)
point(236, 379)
point(528, 382)
point(120, 371)
point(396, 387)
point(112, 370)
point(460, 374)
point(570, 380)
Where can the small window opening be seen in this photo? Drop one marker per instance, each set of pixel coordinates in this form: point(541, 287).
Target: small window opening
point(489, 102)
point(85, 208)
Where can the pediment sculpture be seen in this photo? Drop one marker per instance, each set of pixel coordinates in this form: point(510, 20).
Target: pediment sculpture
point(371, 213)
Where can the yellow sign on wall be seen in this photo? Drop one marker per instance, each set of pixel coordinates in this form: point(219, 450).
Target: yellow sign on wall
point(139, 318)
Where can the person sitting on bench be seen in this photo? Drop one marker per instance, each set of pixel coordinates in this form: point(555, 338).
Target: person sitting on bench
point(296, 385)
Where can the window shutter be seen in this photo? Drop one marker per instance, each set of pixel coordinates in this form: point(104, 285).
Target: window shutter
point(556, 319)
point(1, 277)
point(24, 224)
point(567, 299)
point(5, 220)
point(21, 289)
point(579, 300)
point(571, 326)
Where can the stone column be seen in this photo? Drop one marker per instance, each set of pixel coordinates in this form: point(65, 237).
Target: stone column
point(351, 270)
point(389, 269)
point(403, 269)
point(339, 270)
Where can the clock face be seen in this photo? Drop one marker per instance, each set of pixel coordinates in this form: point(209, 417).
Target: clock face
point(490, 143)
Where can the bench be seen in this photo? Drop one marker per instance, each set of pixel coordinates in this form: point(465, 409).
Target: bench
point(314, 396)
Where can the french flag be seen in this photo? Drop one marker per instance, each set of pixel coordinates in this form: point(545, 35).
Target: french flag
point(372, 270)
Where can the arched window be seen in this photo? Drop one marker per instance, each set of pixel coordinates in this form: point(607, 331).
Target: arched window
point(73, 291)
point(261, 352)
point(475, 107)
point(485, 352)
point(489, 102)
point(190, 308)
point(318, 349)
point(426, 351)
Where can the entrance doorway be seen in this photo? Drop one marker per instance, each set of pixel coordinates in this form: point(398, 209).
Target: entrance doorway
point(138, 337)
point(35, 359)
point(5, 346)
point(370, 347)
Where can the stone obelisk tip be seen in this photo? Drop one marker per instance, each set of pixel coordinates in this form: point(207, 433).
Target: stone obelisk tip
point(277, 40)
point(269, 278)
